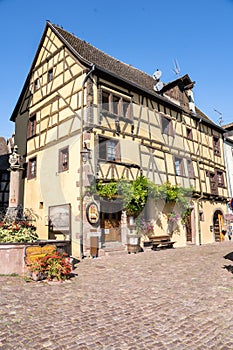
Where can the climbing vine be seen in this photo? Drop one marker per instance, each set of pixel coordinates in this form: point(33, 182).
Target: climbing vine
point(134, 194)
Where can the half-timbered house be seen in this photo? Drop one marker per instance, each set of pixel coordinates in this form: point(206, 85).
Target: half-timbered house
point(84, 116)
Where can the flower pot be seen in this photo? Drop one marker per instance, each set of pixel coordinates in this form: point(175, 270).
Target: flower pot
point(37, 276)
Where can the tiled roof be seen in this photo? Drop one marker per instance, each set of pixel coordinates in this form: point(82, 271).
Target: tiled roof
point(3, 146)
point(227, 126)
point(110, 64)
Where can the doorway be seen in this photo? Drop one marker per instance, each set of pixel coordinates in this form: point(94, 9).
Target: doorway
point(110, 223)
point(218, 225)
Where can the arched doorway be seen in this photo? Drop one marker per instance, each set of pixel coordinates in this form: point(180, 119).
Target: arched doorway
point(218, 225)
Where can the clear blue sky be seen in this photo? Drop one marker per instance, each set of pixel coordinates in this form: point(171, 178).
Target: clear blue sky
point(148, 34)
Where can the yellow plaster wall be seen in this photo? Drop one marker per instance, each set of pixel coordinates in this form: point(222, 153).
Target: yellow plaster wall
point(52, 187)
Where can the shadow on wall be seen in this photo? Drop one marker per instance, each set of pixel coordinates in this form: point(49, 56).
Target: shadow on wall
point(229, 256)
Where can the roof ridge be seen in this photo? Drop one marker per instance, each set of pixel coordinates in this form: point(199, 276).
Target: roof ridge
point(102, 52)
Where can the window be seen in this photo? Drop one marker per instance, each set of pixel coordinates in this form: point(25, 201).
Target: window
point(189, 133)
point(126, 108)
point(50, 75)
point(4, 188)
point(213, 182)
point(220, 179)
point(179, 167)
point(63, 159)
point(166, 126)
point(106, 101)
point(116, 104)
point(32, 168)
point(216, 145)
point(190, 168)
point(36, 85)
point(109, 149)
point(32, 126)
point(201, 216)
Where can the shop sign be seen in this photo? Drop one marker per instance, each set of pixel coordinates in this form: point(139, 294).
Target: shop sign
point(92, 213)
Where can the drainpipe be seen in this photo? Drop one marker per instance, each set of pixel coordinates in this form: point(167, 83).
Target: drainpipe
point(201, 190)
point(81, 161)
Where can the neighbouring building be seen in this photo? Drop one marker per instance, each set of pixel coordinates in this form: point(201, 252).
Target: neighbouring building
point(84, 117)
point(228, 151)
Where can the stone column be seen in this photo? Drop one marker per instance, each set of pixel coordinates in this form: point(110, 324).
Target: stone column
point(16, 166)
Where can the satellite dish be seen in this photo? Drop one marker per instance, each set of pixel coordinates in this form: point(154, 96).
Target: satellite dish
point(157, 74)
point(158, 86)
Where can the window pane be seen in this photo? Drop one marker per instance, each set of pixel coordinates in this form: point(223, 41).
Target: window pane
point(116, 105)
point(126, 109)
point(165, 126)
point(106, 101)
point(50, 75)
point(111, 150)
point(63, 159)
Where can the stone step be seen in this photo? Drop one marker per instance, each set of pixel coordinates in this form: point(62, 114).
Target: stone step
point(115, 249)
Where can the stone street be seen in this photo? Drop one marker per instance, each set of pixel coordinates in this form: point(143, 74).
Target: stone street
point(170, 299)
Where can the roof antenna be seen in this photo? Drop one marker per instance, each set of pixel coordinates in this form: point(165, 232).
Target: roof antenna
point(176, 68)
point(220, 117)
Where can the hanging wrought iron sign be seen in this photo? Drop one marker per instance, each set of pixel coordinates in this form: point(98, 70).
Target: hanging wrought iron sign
point(92, 213)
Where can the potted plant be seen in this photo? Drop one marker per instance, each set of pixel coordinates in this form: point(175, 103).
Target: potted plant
point(173, 221)
point(17, 232)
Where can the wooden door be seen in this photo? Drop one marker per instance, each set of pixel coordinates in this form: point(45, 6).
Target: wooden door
point(218, 224)
point(110, 223)
point(188, 227)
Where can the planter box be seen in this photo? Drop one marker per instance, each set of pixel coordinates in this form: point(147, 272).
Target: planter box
point(12, 255)
point(12, 259)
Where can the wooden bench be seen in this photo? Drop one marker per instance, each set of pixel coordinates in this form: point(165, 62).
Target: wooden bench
point(160, 242)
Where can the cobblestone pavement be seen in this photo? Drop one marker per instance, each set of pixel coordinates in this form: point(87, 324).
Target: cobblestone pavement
point(172, 299)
